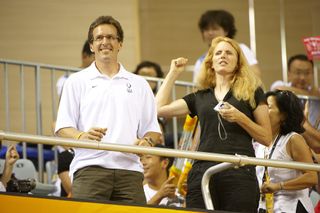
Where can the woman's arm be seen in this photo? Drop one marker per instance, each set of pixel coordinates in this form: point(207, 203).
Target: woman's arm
point(178, 107)
point(65, 181)
point(259, 130)
point(298, 149)
point(300, 152)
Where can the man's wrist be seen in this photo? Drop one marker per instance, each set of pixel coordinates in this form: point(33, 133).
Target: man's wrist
point(78, 136)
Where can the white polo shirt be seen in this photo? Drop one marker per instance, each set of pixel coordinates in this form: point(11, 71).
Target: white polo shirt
point(124, 104)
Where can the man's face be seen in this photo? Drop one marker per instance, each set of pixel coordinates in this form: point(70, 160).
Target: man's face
point(152, 166)
point(151, 72)
point(105, 43)
point(212, 32)
point(300, 74)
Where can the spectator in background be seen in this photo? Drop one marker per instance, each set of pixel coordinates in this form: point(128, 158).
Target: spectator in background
point(300, 81)
point(300, 77)
point(107, 104)
point(290, 187)
point(225, 79)
point(87, 55)
point(11, 157)
point(158, 185)
point(214, 23)
point(150, 69)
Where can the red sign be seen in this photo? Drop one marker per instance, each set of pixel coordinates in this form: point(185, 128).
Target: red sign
point(312, 45)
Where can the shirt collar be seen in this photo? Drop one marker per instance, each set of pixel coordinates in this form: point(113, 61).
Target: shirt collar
point(95, 73)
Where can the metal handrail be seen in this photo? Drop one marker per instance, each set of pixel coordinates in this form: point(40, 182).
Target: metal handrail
point(236, 159)
point(206, 180)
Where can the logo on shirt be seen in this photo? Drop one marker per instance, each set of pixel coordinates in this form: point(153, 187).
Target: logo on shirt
point(129, 89)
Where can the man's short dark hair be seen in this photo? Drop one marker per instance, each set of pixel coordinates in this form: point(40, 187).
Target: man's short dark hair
point(105, 20)
point(170, 159)
point(300, 57)
point(154, 65)
point(218, 17)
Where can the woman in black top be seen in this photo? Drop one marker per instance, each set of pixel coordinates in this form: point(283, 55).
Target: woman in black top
point(242, 116)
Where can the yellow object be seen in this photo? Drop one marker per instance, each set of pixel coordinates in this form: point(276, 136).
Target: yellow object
point(176, 172)
point(190, 123)
point(32, 204)
point(183, 178)
point(269, 196)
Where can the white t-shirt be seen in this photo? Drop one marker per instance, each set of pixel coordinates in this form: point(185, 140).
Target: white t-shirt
point(124, 104)
point(251, 59)
point(149, 193)
point(2, 188)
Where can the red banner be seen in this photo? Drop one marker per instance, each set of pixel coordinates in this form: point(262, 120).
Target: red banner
point(312, 45)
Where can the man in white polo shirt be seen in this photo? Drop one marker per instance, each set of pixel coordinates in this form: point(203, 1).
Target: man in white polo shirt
point(106, 103)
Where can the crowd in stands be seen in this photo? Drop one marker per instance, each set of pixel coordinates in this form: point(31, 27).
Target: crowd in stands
point(106, 103)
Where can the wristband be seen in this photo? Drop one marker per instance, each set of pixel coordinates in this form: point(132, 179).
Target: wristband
point(79, 135)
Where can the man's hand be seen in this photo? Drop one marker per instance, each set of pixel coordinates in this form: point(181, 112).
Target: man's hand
point(95, 133)
point(167, 189)
point(143, 142)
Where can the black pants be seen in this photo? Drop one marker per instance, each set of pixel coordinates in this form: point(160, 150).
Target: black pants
point(231, 190)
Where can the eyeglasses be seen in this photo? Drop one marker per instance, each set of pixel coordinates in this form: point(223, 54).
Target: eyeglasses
point(109, 38)
point(301, 73)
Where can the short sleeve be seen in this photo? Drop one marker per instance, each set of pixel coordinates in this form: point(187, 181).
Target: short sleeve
point(64, 161)
point(260, 97)
point(191, 100)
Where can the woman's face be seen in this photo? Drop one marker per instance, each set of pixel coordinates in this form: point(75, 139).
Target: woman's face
point(274, 113)
point(225, 58)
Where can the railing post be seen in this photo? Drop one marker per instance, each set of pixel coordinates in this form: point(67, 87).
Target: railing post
point(206, 180)
point(39, 121)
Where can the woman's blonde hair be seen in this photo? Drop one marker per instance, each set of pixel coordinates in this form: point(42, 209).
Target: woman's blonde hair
point(243, 83)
